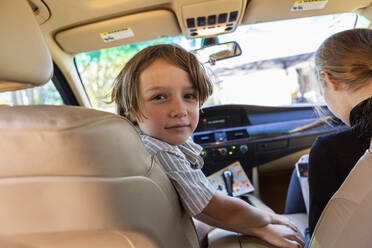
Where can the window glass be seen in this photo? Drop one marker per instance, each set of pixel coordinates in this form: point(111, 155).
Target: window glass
point(275, 68)
point(46, 94)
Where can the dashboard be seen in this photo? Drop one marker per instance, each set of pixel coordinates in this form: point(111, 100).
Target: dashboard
point(255, 135)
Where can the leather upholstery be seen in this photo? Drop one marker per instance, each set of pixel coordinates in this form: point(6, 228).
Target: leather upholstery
point(75, 172)
point(301, 220)
point(24, 59)
point(347, 220)
point(71, 176)
point(78, 141)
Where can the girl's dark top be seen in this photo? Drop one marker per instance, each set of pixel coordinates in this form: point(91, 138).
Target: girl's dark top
point(331, 159)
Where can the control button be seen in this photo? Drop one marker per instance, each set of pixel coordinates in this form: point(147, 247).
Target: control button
point(232, 150)
point(243, 149)
point(203, 154)
point(201, 21)
point(233, 16)
point(222, 151)
point(220, 136)
point(190, 22)
point(212, 19)
point(222, 18)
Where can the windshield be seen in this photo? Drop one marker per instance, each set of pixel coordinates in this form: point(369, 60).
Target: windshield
point(275, 68)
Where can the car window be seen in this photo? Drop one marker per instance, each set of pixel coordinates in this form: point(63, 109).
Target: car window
point(46, 94)
point(275, 68)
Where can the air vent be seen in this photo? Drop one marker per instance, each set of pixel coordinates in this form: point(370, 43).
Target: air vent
point(204, 138)
point(237, 134)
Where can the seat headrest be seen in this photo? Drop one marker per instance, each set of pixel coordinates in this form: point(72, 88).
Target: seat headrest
point(24, 59)
point(69, 141)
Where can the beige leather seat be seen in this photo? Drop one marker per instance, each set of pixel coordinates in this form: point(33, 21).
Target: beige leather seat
point(346, 221)
point(70, 176)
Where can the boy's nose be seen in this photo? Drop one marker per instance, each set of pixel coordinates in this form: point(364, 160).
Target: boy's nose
point(178, 109)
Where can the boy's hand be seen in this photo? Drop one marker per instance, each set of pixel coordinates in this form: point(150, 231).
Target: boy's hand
point(280, 236)
point(282, 220)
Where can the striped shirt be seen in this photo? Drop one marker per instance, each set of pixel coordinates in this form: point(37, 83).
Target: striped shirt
point(182, 164)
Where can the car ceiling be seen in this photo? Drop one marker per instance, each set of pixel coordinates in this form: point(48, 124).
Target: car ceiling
point(74, 26)
point(61, 16)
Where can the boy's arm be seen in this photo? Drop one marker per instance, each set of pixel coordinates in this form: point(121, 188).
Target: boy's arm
point(233, 214)
point(236, 215)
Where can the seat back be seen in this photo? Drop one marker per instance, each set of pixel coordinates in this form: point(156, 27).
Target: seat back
point(71, 176)
point(75, 172)
point(346, 221)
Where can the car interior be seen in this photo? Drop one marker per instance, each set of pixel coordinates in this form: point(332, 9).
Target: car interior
point(76, 174)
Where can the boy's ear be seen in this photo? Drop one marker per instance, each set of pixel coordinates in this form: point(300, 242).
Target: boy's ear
point(331, 82)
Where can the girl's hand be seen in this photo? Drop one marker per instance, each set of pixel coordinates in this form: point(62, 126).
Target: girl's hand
point(282, 220)
point(280, 236)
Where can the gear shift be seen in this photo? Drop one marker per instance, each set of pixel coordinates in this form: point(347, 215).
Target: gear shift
point(228, 180)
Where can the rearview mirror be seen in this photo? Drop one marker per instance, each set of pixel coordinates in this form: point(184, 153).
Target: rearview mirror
point(217, 52)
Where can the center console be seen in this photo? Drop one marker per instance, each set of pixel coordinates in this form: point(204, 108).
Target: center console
point(254, 135)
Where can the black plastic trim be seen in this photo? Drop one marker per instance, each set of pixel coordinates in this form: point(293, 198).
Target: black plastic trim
point(63, 87)
point(81, 81)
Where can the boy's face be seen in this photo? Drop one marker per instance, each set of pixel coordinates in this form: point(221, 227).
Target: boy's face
point(169, 103)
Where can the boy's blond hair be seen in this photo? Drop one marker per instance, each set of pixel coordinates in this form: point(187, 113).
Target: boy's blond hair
point(126, 92)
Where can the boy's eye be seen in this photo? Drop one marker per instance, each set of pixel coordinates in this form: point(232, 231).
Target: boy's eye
point(191, 96)
point(158, 97)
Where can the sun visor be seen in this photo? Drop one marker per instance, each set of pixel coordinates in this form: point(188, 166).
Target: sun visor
point(119, 31)
point(268, 10)
point(25, 61)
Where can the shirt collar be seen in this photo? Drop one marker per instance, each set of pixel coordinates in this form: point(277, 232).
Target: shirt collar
point(190, 149)
point(356, 112)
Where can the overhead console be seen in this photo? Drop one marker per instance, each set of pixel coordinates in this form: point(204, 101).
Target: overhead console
point(209, 18)
point(255, 135)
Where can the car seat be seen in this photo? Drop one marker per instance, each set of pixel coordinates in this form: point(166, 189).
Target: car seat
point(72, 176)
point(346, 220)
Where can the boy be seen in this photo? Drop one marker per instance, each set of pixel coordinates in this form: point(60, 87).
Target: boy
point(161, 90)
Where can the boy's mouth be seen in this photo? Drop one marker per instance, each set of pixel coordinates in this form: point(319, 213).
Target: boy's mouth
point(178, 126)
